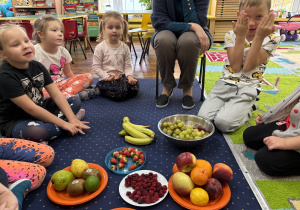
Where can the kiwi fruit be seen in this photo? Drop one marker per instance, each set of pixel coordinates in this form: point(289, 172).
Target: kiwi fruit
point(76, 187)
point(91, 172)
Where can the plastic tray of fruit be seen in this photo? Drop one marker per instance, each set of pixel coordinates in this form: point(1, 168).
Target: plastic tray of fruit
point(124, 160)
point(195, 184)
point(77, 183)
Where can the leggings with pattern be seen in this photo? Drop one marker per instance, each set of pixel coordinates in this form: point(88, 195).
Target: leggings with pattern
point(73, 85)
point(23, 159)
point(36, 130)
point(118, 90)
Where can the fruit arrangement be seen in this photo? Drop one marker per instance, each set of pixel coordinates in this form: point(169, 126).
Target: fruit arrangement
point(180, 130)
point(126, 157)
point(80, 179)
point(136, 134)
point(147, 189)
point(198, 179)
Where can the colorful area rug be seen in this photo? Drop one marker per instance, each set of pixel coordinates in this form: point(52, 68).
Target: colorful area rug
point(281, 78)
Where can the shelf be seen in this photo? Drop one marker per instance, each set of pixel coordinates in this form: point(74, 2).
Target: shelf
point(33, 7)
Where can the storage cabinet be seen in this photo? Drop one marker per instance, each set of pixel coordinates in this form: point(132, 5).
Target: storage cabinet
point(225, 12)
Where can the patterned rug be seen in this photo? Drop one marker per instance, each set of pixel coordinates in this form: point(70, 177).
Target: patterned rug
point(281, 78)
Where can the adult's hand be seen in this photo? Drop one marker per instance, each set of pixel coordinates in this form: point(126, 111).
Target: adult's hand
point(203, 38)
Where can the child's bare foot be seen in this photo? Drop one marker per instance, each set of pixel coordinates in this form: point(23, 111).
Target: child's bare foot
point(80, 114)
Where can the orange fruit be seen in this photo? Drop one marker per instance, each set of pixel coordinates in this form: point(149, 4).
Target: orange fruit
point(199, 176)
point(205, 164)
point(199, 197)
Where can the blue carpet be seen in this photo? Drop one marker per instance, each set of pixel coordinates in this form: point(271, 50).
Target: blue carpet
point(105, 117)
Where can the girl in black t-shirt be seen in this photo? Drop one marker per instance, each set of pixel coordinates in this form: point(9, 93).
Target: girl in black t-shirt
point(23, 111)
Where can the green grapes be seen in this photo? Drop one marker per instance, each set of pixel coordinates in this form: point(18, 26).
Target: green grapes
point(181, 130)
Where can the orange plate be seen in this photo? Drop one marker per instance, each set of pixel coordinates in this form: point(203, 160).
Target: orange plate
point(122, 209)
point(185, 201)
point(63, 197)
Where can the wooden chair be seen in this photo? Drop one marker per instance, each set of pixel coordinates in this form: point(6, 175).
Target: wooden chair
point(201, 75)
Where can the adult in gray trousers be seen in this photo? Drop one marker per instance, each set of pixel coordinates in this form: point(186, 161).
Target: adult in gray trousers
point(182, 34)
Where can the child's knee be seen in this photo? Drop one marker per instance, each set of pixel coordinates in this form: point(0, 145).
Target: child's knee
point(224, 125)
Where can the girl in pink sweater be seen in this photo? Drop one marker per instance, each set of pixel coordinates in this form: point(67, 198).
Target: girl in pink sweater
point(112, 60)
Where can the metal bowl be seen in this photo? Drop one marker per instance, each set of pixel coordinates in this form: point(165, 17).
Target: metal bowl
point(192, 120)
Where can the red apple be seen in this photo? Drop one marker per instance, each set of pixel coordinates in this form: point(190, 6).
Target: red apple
point(213, 187)
point(182, 183)
point(186, 161)
point(222, 172)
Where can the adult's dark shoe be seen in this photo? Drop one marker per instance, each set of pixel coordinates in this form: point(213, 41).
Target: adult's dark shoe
point(163, 100)
point(188, 102)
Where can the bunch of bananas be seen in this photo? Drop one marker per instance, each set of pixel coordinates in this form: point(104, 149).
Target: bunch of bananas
point(136, 134)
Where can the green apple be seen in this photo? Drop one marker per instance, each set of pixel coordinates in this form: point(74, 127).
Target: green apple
point(61, 179)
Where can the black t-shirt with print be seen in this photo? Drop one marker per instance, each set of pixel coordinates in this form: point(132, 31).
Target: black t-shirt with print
point(17, 82)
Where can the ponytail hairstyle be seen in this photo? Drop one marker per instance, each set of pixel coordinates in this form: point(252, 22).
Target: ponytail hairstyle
point(118, 16)
point(41, 24)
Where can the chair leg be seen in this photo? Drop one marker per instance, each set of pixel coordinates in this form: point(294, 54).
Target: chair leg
point(157, 75)
point(144, 50)
point(203, 64)
point(89, 44)
point(132, 46)
point(81, 47)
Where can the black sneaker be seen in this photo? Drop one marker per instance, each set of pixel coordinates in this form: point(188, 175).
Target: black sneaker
point(188, 102)
point(163, 100)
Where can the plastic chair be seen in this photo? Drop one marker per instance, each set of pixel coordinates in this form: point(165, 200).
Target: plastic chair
point(201, 75)
point(84, 34)
point(71, 34)
point(147, 38)
point(28, 27)
point(144, 28)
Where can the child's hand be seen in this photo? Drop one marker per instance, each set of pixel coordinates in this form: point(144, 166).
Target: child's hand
point(274, 142)
point(266, 26)
point(75, 126)
point(257, 120)
point(117, 75)
point(131, 80)
point(241, 27)
point(80, 125)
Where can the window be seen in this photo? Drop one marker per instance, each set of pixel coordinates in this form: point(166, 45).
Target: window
point(285, 4)
point(127, 4)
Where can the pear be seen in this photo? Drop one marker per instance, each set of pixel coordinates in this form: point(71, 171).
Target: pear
point(78, 166)
point(61, 179)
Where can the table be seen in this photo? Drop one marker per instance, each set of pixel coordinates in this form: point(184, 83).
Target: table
point(61, 17)
point(125, 13)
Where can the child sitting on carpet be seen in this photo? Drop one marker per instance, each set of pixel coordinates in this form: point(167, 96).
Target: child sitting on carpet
point(249, 47)
point(22, 164)
point(112, 59)
point(23, 111)
point(277, 137)
point(49, 35)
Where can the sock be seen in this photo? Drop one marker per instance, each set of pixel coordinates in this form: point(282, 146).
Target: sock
point(20, 189)
point(86, 94)
point(80, 114)
point(96, 89)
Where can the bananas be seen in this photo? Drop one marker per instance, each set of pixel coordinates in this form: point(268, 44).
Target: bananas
point(138, 141)
point(126, 120)
point(136, 134)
